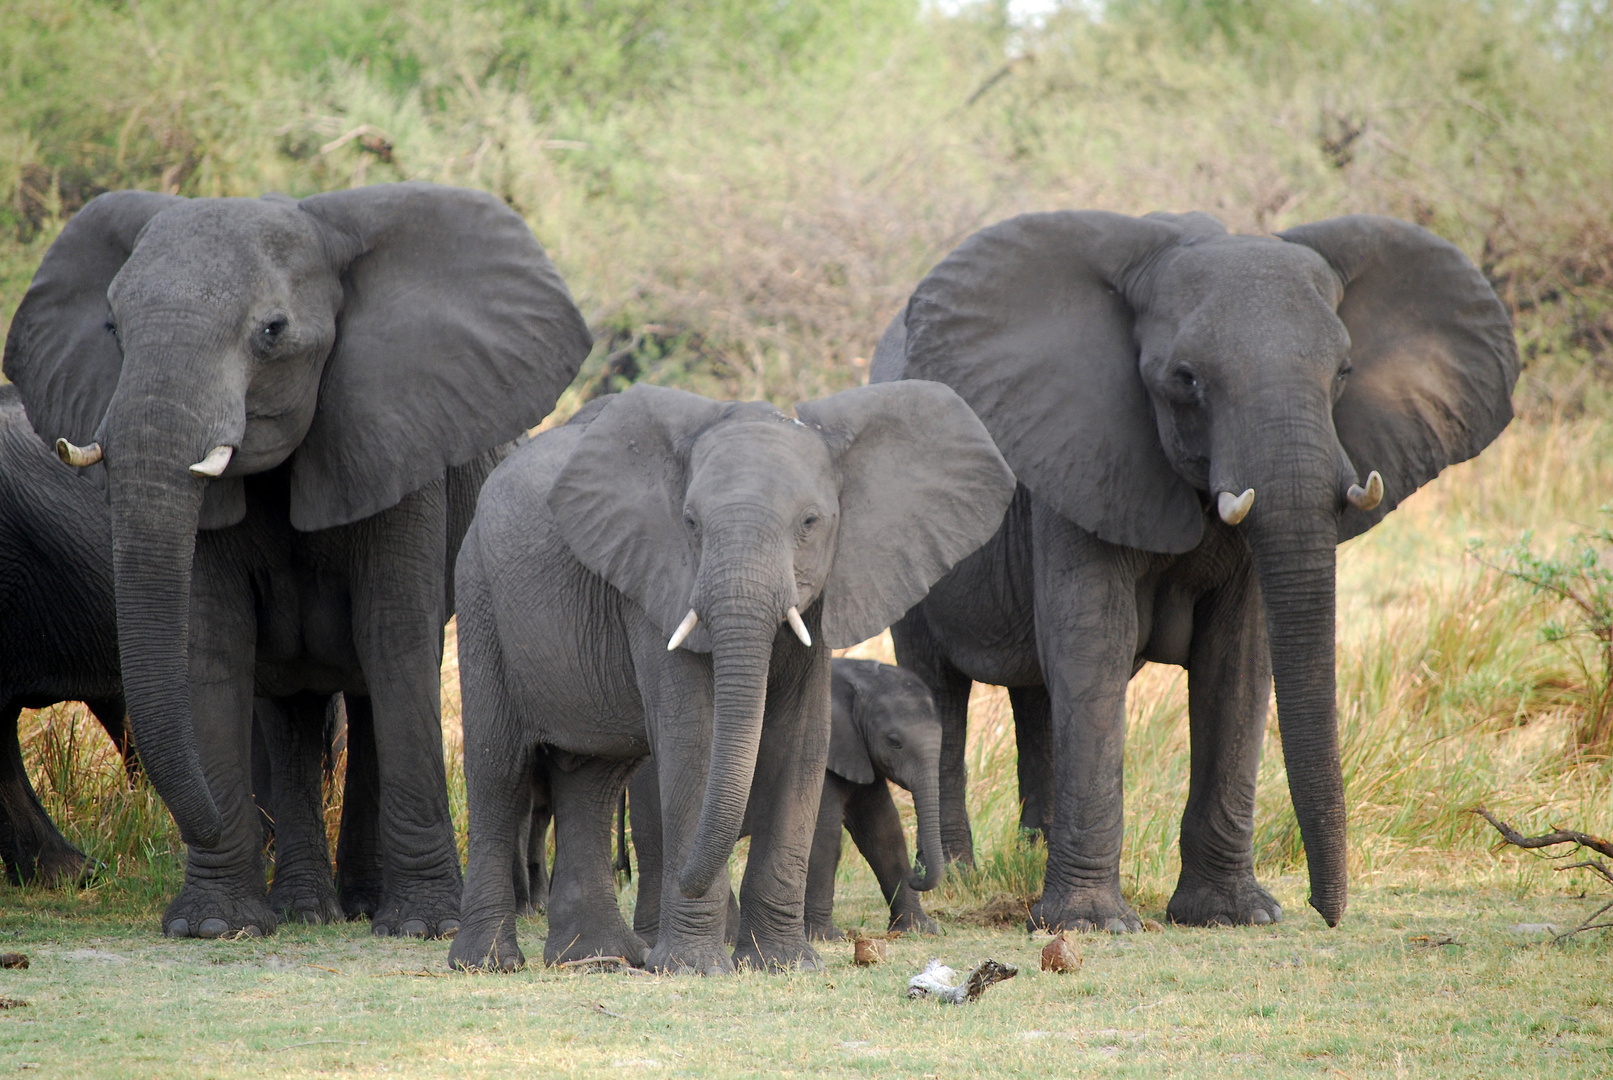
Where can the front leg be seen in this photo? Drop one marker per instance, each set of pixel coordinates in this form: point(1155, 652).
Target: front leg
point(396, 562)
point(876, 828)
point(224, 890)
point(1086, 620)
point(676, 688)
point(825, 860)
point(785, 796)
point(30, 844)
point(1228, 695)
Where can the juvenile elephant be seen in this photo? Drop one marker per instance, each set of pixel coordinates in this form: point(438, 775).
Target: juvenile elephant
point(1196, 420)
point(754, 542)
point(291, 406)
point(58, 630)
point(883, 727)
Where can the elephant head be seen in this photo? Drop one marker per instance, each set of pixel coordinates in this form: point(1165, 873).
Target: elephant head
point(724, 522)
point(885, 725)
point(371, 338)
point(1137, 372)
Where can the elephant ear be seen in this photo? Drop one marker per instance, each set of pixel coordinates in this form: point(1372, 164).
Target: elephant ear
point(848, 749)
point(618, 501)
point(890, 355)
point(1029, 321)
point(61, 351)
point(1431, 350)
point(455, 335)
point(921, 487)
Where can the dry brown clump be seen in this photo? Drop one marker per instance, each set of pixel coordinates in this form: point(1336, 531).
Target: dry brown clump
point(1061, 954)
point(867, 951)
point(13, 960)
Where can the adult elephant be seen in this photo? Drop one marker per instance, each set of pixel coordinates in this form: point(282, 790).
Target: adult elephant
point(668, 575)
point(1196, 420)
point(291, 405)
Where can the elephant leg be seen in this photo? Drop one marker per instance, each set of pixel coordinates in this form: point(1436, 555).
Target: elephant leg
point(876, 828)
point(785, 795)
point(531, 870)
point(825, 859)
point(644, 796)
point(584, 919)
point(1229, 692)
point(114, 717)
point(293, 729)
point(358, 843)
point(31, 845)
point(1086, 619)
point(1033, 738)
point(397, 565)
point(224, 888)
point(676, 688)
point(262, 780)
point(917, 651)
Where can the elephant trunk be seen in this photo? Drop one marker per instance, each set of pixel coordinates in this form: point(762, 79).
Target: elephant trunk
point(1293, 535)
point(155, 505)
point(742, 634)
point(927, 806)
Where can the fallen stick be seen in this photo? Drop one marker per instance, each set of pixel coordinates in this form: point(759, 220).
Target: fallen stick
point(1512, 836)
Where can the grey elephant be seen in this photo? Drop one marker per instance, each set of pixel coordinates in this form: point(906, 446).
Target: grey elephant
point(668, 574)
point(58, 631)
point(883, 727)
point(291, 406)
point(1196, 420)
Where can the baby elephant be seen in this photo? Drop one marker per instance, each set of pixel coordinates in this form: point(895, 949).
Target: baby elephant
point(885, 727)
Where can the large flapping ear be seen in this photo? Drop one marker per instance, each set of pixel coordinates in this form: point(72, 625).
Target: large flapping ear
point(1028, 320)
point(455, 335)
point(921, 487)
point(848, 748)
point(61, 350)
point(1431, 350)
point(889, 362)
point(619, 500)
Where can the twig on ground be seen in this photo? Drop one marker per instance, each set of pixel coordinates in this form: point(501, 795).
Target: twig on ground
point(316, 1042)
point(322, 967)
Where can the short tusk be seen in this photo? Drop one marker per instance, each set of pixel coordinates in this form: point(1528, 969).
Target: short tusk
point(1234, 508)
point(216, 461)
point(79, 456)
point(799, 627)
point(1367, 498)
point(685, 628)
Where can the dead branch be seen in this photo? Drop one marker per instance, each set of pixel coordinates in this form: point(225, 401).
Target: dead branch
point(1558, 836)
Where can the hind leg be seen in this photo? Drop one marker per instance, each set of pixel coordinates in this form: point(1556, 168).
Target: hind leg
point(584, 919)
point(358, 845)
point(294, 737)
point(31, 846)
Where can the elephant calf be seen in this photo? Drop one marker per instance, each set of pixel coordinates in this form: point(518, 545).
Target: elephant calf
point(884, 727)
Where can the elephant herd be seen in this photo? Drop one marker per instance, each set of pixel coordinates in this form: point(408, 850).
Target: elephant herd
point(290, 443)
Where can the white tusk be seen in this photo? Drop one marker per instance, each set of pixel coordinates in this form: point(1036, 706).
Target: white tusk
point(1367, 498)
point(216, 461)
point(1234, 508)
point(79, 456)
point(685, 628)
point(799, 627)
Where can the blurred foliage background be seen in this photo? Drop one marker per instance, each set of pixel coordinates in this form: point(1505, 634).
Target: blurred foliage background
point(741, 194)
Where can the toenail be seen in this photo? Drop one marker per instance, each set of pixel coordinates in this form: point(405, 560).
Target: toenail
point(412, 928)
point(178, 928)
point(380, 929)
point(448, 928)
point(1260, 917)
point(211, 928)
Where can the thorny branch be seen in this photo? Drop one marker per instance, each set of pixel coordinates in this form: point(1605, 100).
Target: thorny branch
point(1512, 836)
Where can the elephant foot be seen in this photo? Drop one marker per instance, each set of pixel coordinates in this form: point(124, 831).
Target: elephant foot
point(787, 955)
point(1084, 910)
point(205, 912)
point(302, 901)
point(487, 946)
point(914, 922)
point(824, 931)
point(431, 912)
point(684, 956)
point(1236, 902)
point(58, 867)
point(958, 846)
point(576, 943)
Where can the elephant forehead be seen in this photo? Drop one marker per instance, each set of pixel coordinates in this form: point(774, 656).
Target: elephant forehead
point(773, 453)
point(218, 251)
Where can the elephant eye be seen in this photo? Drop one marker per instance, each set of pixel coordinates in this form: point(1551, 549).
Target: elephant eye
point(272, 329)
point(893, 742)
point(1344, 373)
point(1187, 378)
point(112, 328)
